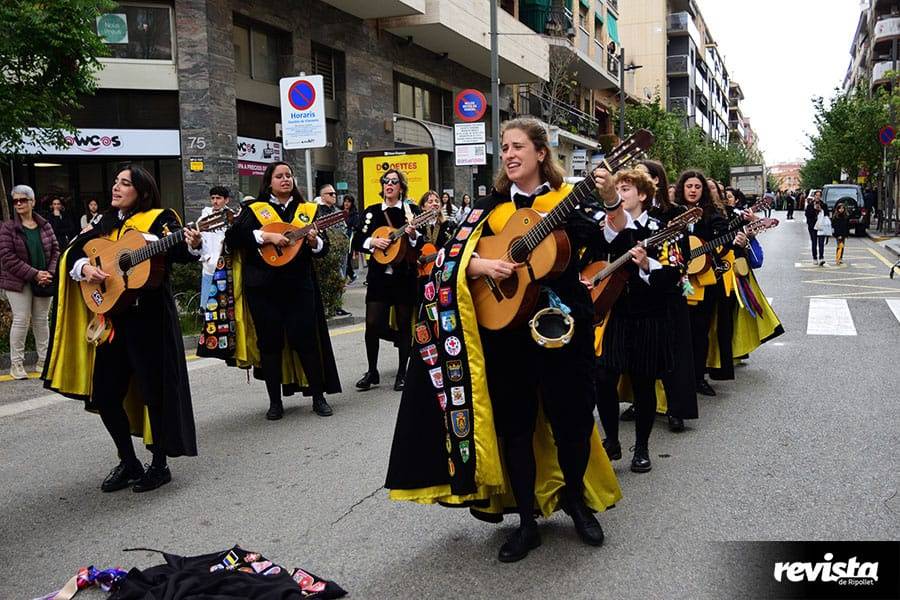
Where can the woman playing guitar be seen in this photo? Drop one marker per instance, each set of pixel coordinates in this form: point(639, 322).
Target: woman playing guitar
point(388, 286)
point(143, 347)
point(637, 339)
point(435, 233)
point(283, 301)
point(499, 380)
point(691, 190)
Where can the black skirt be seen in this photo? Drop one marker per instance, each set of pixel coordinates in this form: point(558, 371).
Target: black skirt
point(396, 288)
point(638, 345)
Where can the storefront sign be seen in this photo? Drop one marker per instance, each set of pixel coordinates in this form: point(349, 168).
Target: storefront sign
point(416, 167)
point(114, 142)
point(302, 112)
point(251, 169)
point(113, 28)
point(468, 133)
point(256, 150)
point(474, 154)
point(579, 159)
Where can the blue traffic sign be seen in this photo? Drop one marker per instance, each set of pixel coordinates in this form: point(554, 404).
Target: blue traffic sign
point(302, 95)
point(886, 135)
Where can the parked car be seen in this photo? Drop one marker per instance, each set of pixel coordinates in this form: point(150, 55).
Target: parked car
point(852, 197)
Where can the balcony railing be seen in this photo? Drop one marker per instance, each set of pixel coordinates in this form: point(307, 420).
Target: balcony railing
point(682, 103)
point(584, 40)
point(532, 101)
point(678, 64)
point(612, 64)
point(613, 4)
point(887, 28)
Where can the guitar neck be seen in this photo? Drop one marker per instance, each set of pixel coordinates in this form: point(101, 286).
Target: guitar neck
point(713, 244)
point(322, 223)
point(650, 242)
point(416, 222)
point(159, 246)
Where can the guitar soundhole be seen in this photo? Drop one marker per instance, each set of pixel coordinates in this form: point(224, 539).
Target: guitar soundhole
point(509, 286)
point(124, 263)
point(518, 251)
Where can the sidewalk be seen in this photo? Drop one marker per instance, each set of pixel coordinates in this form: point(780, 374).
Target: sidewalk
point(889, 242)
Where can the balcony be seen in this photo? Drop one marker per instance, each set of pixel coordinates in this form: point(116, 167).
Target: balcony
point(886, 30)
point(555, 112)
point(681, 23)
point(459, 30)
point(589, 62)
point(880, 71)
point(366, 9)
point(682, 103)
point(678, 65)
point(613, 4)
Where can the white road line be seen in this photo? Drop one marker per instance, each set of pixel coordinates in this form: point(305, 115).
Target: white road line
point(769, 300)
point(798, 265)
point(829, 316)
point(894, 305)
point(15, 408)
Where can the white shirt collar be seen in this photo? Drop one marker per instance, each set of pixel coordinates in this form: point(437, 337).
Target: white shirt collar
point(385, 205)
point(541, 189)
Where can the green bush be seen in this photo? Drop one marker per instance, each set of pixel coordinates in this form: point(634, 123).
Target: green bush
point(329, 271)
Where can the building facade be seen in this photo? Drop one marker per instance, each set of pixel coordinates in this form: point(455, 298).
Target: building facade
point(787, 175)
point(680, 61)
point(190, 89)
point(871, 52)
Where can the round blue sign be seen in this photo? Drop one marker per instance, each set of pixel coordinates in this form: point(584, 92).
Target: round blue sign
point(886, 135)
point(301, 95)
point(470, 105)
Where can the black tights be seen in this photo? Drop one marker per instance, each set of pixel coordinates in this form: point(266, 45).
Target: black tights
point(378, 322)
point(644, 389)
point(116, 422)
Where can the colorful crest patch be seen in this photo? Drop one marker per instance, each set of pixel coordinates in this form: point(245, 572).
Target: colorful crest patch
point(464, 451)
point(475, 215)
point(431, 311)
point(458, 395)
point(429, 291)
point(453, 346)
point(423, 335)
point(445, 296)
point(442, 400)
point(429, 354)
point(437, 377)
point(448, 443)
point(451, 468)
point(459, 419)
point(447, 273)
point(455, 370)
point(304, 218)
point(455, 249)
point(439, 259)
point(448, 321)
point(463, 233)
point(265, 214)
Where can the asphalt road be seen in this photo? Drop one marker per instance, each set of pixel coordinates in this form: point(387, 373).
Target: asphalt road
point(802, 446)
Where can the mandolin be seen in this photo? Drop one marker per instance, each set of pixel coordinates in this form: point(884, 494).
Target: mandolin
point(134, 263)
point(608, 279)
point(278, 256)
point(702, 262)
point(396, 252)
point(426, 259)
point(537, 244)
point(700, 259)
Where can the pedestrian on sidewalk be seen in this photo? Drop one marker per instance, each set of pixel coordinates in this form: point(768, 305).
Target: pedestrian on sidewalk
point(29, 252)
point(840, 223)
point(823, 229)
point(349, 206)
point(813, 208)
point(789, 205)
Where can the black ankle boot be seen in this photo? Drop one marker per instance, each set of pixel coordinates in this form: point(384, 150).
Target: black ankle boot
point(627, 414)
point(676, 424)
point(640, 462)
point(704, 388)
point(368, 380)
point(321, 406)
point(123, 475)
point(586, 524)
point(613, 449)
point(520, 543)
point(276, 410)
point(154, 477)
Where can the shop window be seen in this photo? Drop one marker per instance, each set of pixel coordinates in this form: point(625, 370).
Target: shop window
point(259, 51)
point(421, 101)
point(128, 109)
point(138, 31)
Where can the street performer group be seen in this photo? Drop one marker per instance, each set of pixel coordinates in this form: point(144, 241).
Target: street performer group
point(546, 301)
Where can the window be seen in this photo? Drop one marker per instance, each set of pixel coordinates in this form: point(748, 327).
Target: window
point(323, 64)
point(137, 31)
point(421, 101)
point(259, 50)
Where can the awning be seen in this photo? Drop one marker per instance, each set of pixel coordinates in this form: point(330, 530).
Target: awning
point(612, 26)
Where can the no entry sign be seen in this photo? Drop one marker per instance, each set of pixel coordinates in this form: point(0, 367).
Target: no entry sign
point(470, 105)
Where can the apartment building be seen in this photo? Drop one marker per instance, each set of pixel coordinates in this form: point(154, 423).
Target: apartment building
point(787, 175)
point(871, 59)
point(190, 89)
point(680, 61)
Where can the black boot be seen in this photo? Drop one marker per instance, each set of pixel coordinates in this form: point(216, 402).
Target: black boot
point(640, 462)
point(627, 414)
point(613, 449)
point(321, 406)
point(676, 424)
point(154, 477)
point(704, 388)
point(122, 476)
point(276, 410)
point(399, 382)
point(368, 380)
point(520, 543)
point(586, 524)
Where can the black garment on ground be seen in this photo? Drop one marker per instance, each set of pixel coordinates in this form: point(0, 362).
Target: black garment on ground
point(147, 346)
point(235, 578)
point(286, 305)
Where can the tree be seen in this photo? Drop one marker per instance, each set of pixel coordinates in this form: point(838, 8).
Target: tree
point(48, 58)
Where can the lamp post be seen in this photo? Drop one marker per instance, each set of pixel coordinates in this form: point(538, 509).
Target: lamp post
point(622, 69)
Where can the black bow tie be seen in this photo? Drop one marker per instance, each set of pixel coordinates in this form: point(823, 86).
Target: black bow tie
point(523, 201)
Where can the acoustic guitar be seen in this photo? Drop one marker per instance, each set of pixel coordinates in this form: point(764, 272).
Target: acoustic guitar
point(278, 256)
point(701, 251)
point(399, 247)
point(608, 279)
point(133, 263)
point(538, 245)
point(704, 260)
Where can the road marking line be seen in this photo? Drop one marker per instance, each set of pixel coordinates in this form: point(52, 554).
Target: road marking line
point(829, 316)
point(346, 330)
point(894, 305)
point(798, 265)
point(880, 257)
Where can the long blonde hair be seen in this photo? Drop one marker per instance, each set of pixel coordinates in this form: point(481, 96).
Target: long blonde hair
point(550, 170)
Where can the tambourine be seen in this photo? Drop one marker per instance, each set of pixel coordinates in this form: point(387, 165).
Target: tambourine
point(552, 328)
point(99, 331)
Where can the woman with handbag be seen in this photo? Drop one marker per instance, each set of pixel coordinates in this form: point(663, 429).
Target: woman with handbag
point(823, 229)
point(28, 256)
